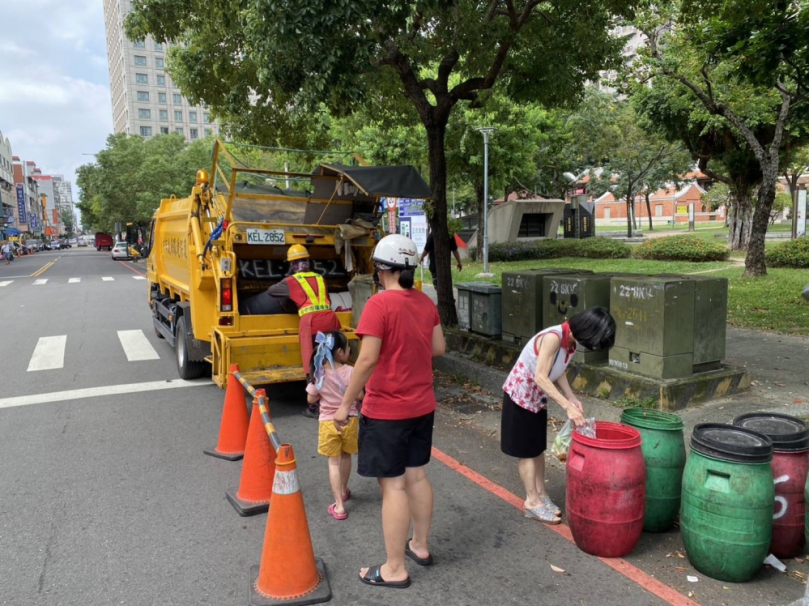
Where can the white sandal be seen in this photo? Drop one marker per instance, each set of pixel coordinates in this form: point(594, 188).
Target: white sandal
point(543, 513)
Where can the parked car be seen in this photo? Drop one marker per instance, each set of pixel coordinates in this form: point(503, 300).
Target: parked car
point(81, 243)
point(120, 251)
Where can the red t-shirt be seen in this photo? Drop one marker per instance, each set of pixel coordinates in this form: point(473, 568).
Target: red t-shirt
point(401, 385)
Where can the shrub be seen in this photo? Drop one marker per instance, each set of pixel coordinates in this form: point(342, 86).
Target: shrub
point(794, 253)
point(591, 248)
point(681, 248)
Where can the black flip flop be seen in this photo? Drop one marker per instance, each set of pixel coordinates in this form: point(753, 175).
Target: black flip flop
point(374, 577)
point(428, 561)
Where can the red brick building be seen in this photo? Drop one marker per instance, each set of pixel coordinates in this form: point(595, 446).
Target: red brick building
point(667, 205)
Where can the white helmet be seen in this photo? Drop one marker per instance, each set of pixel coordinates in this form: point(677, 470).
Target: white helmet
point(396, 252)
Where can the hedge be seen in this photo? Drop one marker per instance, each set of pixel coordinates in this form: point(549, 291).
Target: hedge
point(529, 250)
point(681, 248)
point(794, 253)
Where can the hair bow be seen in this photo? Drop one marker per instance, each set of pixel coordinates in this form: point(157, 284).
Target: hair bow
point(325, 344)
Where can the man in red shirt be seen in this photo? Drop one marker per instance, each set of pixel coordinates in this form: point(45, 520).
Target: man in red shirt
point(308, 291)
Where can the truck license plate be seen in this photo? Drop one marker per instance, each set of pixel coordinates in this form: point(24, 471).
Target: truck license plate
point(265, 236)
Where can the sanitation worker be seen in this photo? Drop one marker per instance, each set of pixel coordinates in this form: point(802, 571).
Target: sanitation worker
point(308, 292)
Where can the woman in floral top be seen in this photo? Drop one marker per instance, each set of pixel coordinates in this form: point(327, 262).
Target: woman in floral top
point(533, 380)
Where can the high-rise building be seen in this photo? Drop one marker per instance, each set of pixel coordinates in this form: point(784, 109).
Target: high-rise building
point(144, 99)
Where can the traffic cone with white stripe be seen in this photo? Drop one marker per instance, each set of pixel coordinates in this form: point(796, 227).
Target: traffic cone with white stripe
point(289, 572)
point(258, 468)
point(233, 428)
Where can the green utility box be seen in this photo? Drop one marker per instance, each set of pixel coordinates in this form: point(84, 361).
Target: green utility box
point(567, 295)
point(655, 325)
point(523, 298)
point(480, 308)
point(710, 320)
point(486, 311)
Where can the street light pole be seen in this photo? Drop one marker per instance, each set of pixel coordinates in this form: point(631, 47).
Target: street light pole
point(486, 131)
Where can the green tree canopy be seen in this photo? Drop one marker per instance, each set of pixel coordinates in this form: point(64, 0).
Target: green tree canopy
point(131, 175)
point(731, 56)
point(265, 66)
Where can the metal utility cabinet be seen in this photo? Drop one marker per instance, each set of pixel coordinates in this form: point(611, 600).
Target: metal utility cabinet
point(480, 308)
point(523, 312)
point(567, 295)
point(655, 325)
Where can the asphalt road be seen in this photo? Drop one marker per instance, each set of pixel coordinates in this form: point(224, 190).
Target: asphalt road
point(106, 497)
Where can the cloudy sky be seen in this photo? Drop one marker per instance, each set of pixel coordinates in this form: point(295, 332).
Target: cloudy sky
point(54, 84)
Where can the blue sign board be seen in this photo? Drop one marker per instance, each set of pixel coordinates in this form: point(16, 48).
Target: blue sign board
point(32, 222)
point(409, 207)
point(21, 202)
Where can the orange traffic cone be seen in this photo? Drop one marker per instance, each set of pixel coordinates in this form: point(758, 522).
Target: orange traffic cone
point(258, 468)
point(233, 429)
point(289, 572)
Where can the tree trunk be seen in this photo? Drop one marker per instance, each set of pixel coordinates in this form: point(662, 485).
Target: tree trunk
point(478, 185)
point(649, 210)
point(754, 263)
point(629, 216)
point(741, 212)
point(438, 222)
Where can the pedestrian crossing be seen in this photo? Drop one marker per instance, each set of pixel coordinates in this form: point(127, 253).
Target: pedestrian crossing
point(46, 281)
point(49, 352)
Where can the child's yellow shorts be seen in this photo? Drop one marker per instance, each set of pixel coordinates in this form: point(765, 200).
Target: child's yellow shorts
point(331, 443)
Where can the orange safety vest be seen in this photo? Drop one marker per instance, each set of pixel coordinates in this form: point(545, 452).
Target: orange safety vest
point(317, 302)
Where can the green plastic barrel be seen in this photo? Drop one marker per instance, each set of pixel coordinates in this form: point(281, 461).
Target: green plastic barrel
point(727, 501)
point(664, 454)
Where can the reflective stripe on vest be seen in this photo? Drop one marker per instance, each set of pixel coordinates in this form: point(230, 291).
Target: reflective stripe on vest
point(316, 303)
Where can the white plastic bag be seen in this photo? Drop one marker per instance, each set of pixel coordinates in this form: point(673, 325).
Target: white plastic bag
point(562, 442)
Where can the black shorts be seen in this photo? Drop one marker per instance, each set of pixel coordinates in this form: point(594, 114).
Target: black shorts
point(523, 434)
point(388, 447)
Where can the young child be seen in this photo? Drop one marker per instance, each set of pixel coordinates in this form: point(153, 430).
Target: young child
point(328, 385)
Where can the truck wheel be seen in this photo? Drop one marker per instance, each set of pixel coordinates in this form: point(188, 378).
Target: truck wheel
point(188, 370)
point(157, 332)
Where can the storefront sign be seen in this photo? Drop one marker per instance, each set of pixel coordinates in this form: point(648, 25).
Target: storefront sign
point(21, 202)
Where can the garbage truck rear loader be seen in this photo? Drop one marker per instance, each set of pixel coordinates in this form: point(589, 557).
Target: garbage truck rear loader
point(214, 254)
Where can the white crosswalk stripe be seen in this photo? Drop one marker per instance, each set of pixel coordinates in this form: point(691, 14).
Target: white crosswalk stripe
point(108, 279)
point(49, 353)
point(40, 282)
point(136, 346)
point(6, 283)
point(138, 278)
point(74, 280)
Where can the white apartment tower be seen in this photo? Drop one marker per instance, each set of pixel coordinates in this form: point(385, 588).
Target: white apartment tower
point(144, 99)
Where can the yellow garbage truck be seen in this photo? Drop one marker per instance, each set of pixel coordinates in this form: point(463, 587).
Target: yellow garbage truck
point(213, 255)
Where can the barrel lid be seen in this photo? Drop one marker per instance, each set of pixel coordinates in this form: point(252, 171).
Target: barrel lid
point(787, 433)
point(652, 419)
point(731, 443)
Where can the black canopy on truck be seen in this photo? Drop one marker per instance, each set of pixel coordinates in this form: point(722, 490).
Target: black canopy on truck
point(395, 181)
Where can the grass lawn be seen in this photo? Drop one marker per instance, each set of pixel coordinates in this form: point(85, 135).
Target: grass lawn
point(772, 303)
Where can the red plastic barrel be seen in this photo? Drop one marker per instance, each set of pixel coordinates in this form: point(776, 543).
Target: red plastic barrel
point(790, 465)
point(606, 490)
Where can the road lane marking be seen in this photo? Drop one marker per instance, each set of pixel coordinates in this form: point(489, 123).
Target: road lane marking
point(108, 279)
point(136, 346)
point(43, 269)
point(91, 392)
point(129, 267)
point(40, 282)
point(6, 283)
point(74, 280)
point(138, 278)
point(646, 581)
point(49, 353)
